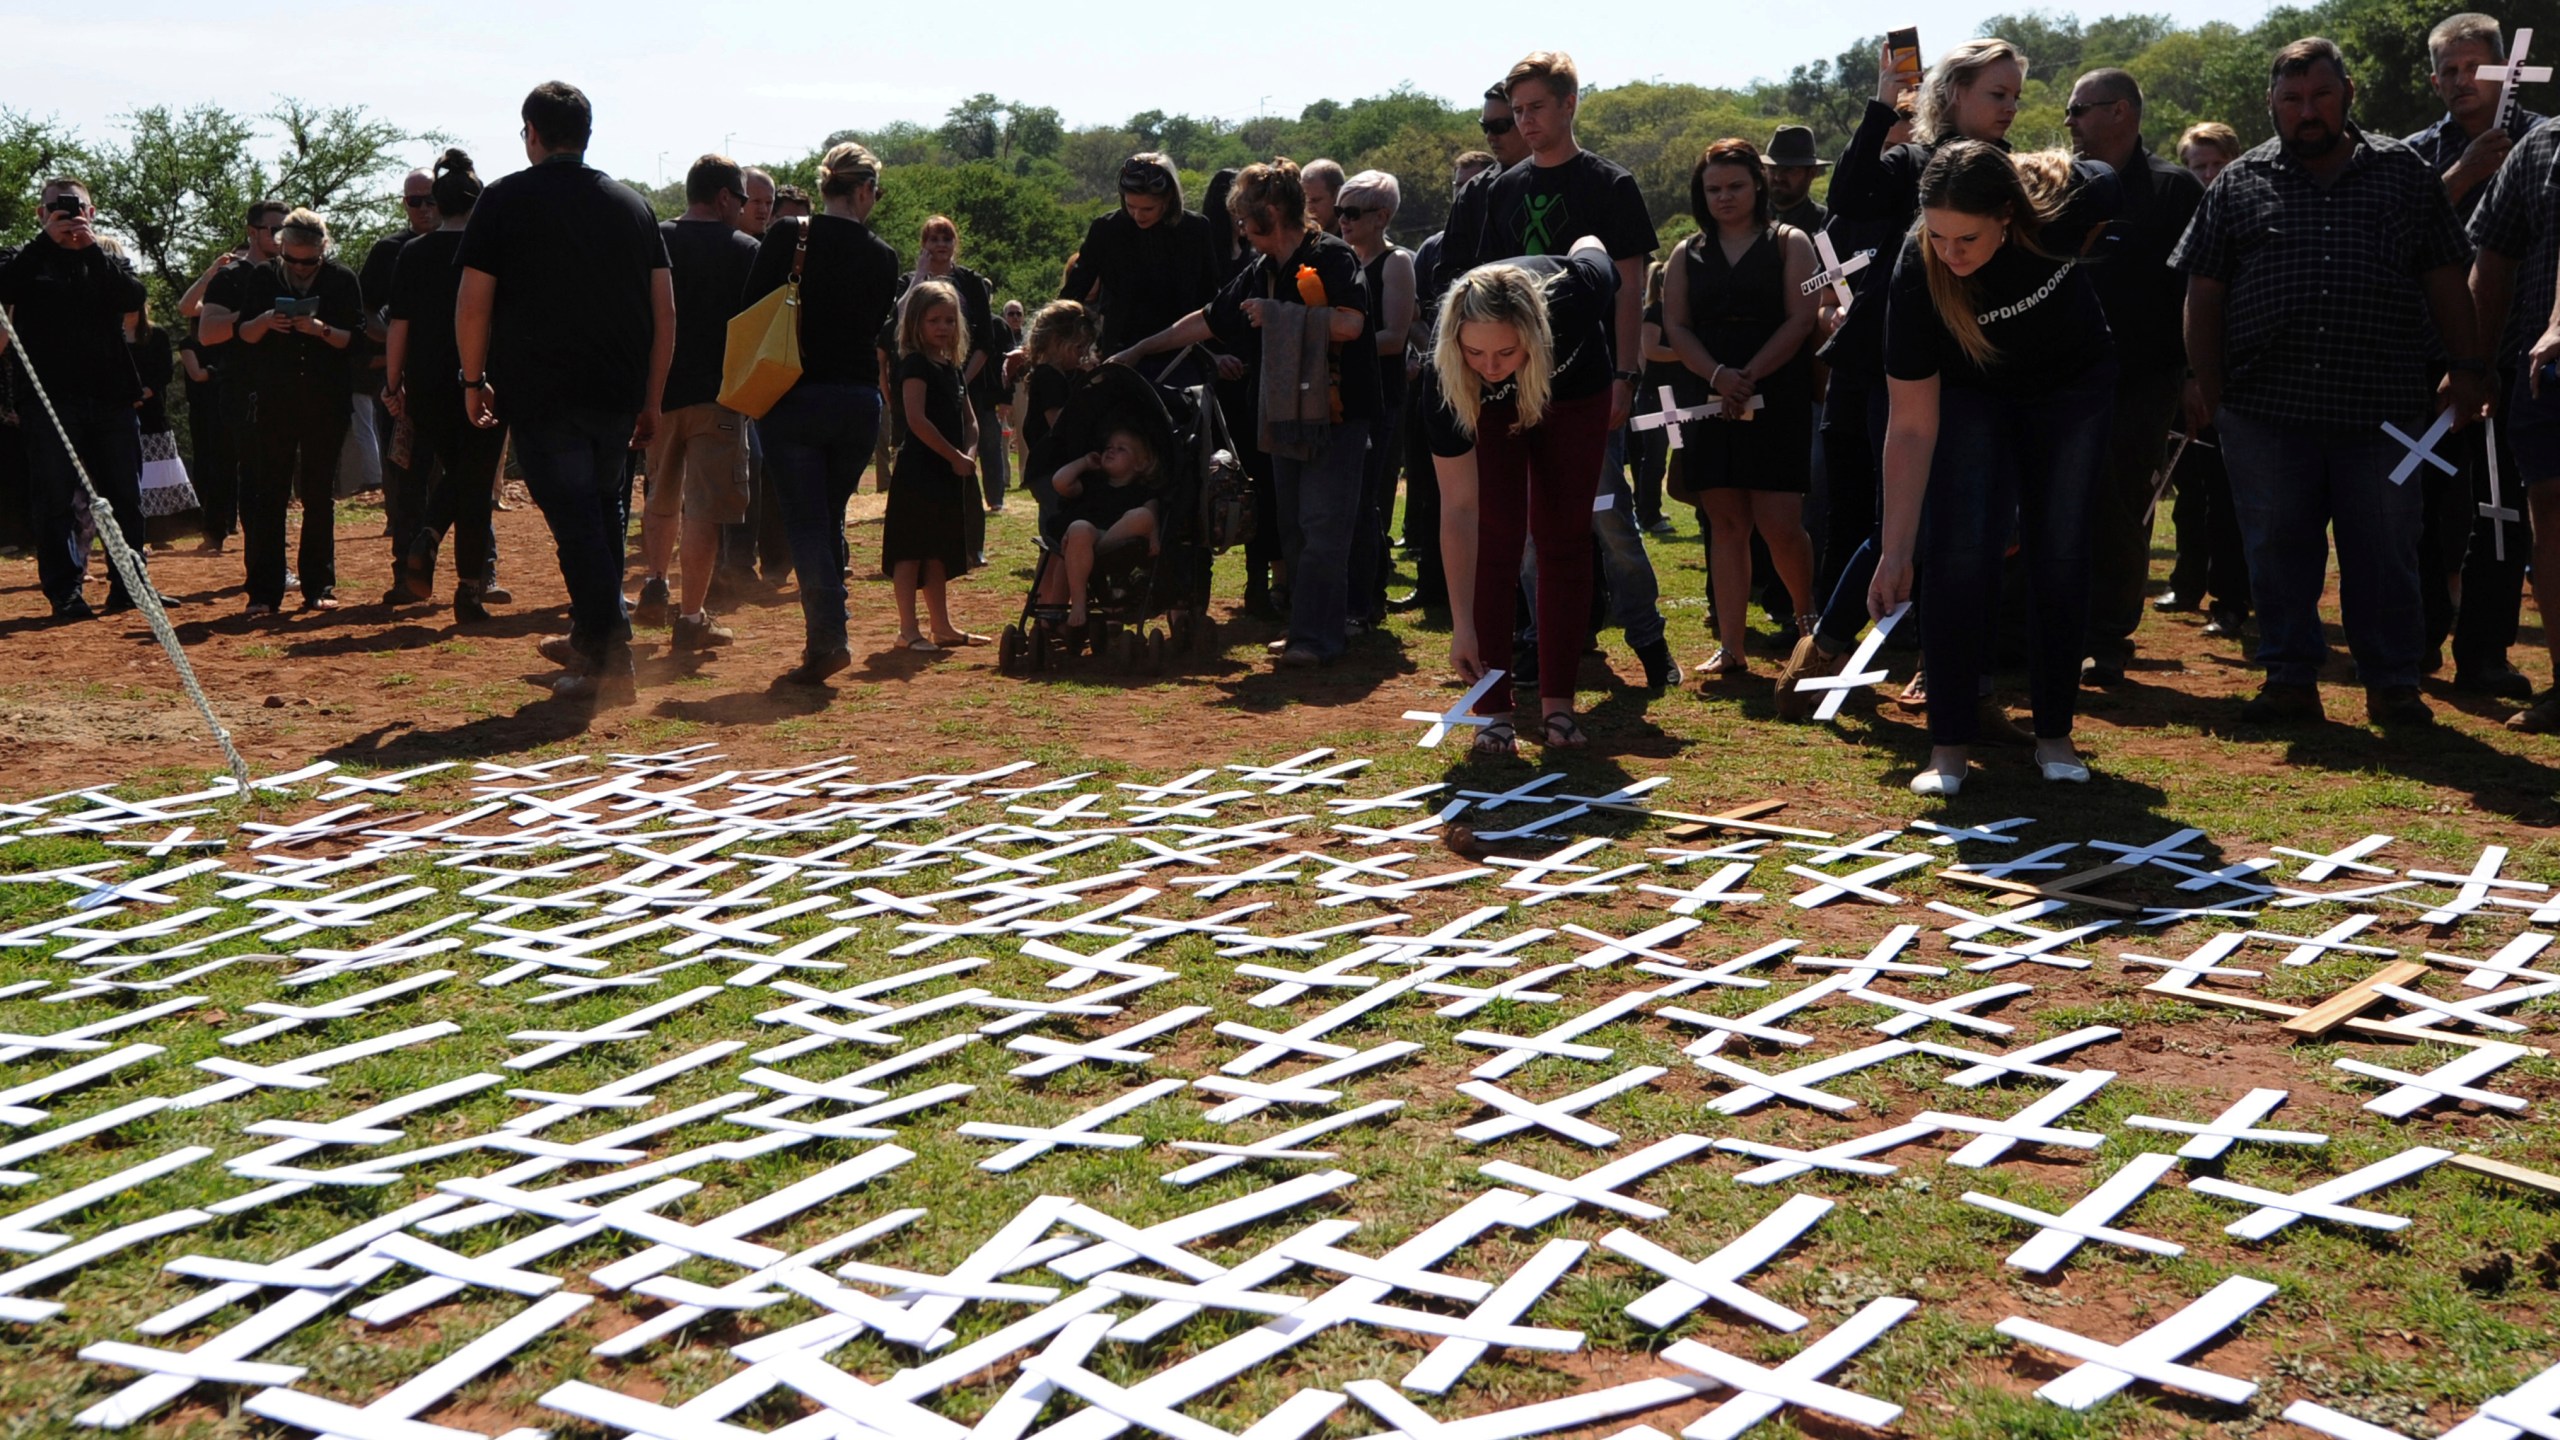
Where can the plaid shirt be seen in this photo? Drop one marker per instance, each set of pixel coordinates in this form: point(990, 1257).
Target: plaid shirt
point(2518, 210)
point(2442, 144)
point(2326, 322)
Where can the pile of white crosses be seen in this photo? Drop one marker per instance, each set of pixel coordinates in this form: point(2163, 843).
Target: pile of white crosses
point(668, 877)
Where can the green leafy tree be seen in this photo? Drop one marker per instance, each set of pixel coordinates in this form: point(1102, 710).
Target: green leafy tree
point(30, 150)
point(973, 129)
point(176, 187)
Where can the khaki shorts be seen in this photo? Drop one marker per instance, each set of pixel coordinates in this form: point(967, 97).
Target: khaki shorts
point(698, 465)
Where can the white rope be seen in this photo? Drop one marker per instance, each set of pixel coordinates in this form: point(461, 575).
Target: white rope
point(137, 582)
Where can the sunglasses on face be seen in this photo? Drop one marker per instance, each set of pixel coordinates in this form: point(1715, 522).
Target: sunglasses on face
point(2074, 112)
point(300, 264)
point(262, 229)
point(1352, 212)
point(417, 202)
point(1495, 124)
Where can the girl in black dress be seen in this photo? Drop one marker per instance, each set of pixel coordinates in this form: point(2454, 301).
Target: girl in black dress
point(1060, 347)
point(1734, 307)
point(925, 536)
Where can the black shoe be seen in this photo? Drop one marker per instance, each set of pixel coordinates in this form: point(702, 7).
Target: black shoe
point(2389, 705)
point(493, 593)
point(1257, 603)
point(651, 607)
point(700, 632)
point(1408, 604)
point(2227, 620)
point(816, 665)
point(2504, 680)
point(560, 651)
point(1661, 672)
point(2097, 671)
point(467, 609)
point(2172, 602)
point(1299, 657)
point(76, 608)
point(2283, 705)
point(609, 682)
point(120, 602)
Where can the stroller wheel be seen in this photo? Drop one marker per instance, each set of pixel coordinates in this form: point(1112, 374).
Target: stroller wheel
point(1009, 651)
point(1180, 632)
point(1205, 636)
point(1124, 652)
point(1156, 650)
point(1035, 648)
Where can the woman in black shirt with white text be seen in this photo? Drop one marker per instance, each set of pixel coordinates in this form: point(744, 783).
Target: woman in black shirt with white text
point(2002, 375)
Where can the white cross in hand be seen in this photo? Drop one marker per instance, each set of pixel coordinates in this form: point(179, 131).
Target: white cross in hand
point(1835, 272)
point(2515, 72)
point(2422, 449)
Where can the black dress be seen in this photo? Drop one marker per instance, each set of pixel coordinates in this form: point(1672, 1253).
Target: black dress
point(1734, 309)
point(926, 518)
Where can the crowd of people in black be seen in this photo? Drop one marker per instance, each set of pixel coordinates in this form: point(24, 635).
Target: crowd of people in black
point(1987, 369)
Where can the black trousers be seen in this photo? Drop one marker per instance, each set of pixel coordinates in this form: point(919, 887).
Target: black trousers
point(2212, 559)
point(2459, 541)
point(299, 434)
point(461, 461)
point(1422, 502)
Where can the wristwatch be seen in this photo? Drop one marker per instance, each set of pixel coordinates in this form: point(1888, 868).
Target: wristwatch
point(470, 384)
point(1630, 376)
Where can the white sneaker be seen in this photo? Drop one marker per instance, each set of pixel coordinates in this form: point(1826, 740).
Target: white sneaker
point(2068, 772)
point(1940, 783)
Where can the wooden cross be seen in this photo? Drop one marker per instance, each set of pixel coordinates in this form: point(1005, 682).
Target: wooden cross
point(2151, 1355)
point(2321, 1201)
point(1759, 1393)
point(2421, 450)
point(2057, 1236)
point(1688, 1285)
point(2511, 75)
point(2233, 1125)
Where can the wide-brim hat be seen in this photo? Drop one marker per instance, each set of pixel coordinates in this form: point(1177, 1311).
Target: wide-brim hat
point(1793, 145)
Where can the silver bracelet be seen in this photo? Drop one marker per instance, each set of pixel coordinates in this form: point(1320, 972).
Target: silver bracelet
point(1712, 379)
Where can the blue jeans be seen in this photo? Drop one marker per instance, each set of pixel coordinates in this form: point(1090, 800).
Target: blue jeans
point(2010, 465)
point(2289, 484)
point(1635, 596)
point(109, 443)
point(817, 439)
point(1319, 511)
point(574, 461)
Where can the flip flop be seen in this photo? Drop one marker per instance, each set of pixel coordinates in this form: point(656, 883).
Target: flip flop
point(963, 639)
point(923, 646)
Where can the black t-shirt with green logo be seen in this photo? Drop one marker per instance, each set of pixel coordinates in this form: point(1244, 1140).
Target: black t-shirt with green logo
point(1542, 209)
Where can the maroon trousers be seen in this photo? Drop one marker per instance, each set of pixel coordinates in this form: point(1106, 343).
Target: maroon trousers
point(1537, 484)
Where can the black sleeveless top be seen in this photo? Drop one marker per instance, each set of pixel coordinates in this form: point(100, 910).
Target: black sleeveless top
point(1390, 367)
point(1734, 307)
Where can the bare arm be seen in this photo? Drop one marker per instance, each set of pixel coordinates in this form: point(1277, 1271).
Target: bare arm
point(662, 350)
point(1191, 329)
point(471, 307)
point(1458, 556)
point(1630, 337)
point(1910, 441)
point(2204, 348)
point(1397, 325)
point(395, 370)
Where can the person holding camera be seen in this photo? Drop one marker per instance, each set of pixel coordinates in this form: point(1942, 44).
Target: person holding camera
point(304, 310)
point(67, 299)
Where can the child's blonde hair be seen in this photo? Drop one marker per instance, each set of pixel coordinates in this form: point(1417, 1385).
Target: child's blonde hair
point(921, 302)
point(1146, 471)
point(1060, 334)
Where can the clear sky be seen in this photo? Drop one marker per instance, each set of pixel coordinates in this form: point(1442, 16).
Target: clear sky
point(770, 80)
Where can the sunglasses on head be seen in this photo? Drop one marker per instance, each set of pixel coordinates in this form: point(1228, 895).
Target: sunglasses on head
point(1495, 124)
point(1144, 177)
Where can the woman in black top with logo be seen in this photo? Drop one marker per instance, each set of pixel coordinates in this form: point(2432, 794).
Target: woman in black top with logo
point(818, 436)
point(422, 380)
point(1970, 94)
point(1734, 307)
point(305, 309)
point(2002, 375)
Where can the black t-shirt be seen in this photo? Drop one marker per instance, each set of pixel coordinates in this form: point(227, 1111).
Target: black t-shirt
point(1462, 240)
point(153, 364)
point(1582, 293)
point(1149, 278)
point(423, 286)
point(2041, 316)
point(70, 307)
point(374, 278)
point(1337, 267)
point(847, 286)
point(200, 392)
point(1390, 367)
point(573, 251)
point(299, 364)
point(711, 260)
point(1536, 209)
point(1048, 390)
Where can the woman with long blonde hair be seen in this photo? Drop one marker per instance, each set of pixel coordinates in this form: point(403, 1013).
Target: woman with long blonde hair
point(1522, 362)
point(2002, 376)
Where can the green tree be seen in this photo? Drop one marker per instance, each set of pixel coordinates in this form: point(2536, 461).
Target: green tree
point(176, 187)
point(973, 129)
point(30, 150)
point(344, 162)
point(1012, 230)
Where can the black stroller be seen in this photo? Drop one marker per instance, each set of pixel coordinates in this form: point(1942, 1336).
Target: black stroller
point(1129, 588)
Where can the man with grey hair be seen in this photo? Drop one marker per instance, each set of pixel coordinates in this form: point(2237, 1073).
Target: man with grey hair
point(1322, 180)
point(2466, 144)
point(2145, 302)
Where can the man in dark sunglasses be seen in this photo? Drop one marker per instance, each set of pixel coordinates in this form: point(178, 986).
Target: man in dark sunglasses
point(69, 298)
point(403, 494)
